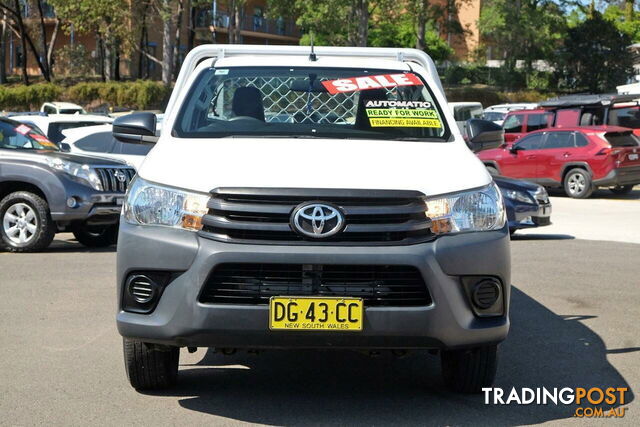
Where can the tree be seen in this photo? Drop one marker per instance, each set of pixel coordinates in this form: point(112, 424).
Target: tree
point(13, 18)
point(594, 55)
point(395, 28)
point(625, 18)
point(333, 22)
point(523, 29)
point(234, 26)
point(109, 20)
point(4, 30)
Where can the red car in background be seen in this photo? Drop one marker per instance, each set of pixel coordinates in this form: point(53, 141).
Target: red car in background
point(575, 110)
point(578, 159)
point(521, 122)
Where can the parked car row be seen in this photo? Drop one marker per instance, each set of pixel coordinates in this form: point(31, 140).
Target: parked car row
point(578, 143)
point(578, 159)
point(31, 141)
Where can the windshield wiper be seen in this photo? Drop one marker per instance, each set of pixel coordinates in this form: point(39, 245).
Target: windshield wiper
point(413, 138)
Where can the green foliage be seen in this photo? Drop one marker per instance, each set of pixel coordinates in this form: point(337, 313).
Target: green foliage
point(140, 94)
point(478, 74)
point(401, 32)
point(490, 96)
point(109, 18)
point(391, 23)
point(521, 29)
point(594, 56)
point(486, 96)
point(626, 21)
point(74, 60)
point(327, 19)
point(27, 97)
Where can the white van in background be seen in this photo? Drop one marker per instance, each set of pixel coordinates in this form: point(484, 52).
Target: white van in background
point(463, 111)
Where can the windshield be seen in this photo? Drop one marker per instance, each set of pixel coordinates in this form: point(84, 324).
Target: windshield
point(625, 117)
point(493, 116)
point(15, 136)
point(56, 129)
point(310, 102)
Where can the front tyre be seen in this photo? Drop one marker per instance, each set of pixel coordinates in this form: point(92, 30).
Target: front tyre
point(149, 367)
point(26, 224)
point(469, 370)
point(578, 184)
point(95, 236)
point(492, 171)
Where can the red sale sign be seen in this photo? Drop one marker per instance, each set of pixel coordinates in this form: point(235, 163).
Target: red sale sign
point(23, 129)
point(354, 84)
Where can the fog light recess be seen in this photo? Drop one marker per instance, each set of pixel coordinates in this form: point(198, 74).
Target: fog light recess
point(486, 293)
point(141, 288)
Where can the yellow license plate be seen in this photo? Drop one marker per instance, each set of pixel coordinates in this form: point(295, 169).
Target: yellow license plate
point(316, 314)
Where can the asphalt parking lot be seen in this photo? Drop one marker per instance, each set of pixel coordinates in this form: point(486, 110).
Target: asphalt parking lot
point(575, 309)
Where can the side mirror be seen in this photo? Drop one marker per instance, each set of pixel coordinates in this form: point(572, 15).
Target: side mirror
point(137, 128)
point(484, 135)
point(64, 147)
point(514, 149)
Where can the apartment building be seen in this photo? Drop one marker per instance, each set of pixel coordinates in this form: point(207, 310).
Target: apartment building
point(209, 24)
point(205, 24)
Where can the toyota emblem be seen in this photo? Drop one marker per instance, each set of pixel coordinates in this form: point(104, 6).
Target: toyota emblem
point(120, 176)
point(317, 220)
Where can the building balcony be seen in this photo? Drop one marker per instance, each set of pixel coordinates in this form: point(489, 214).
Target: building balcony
point(279, 28)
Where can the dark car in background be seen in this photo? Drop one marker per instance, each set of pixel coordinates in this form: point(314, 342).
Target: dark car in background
point(527, 204)
point(44, 191)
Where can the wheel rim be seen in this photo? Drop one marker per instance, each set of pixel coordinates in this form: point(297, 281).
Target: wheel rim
point(577, 183)
point(20, 223)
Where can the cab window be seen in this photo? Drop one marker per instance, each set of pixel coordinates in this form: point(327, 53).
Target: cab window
point(625, 117)
point(98, 142)
point(581, 140)
point(14, 135)
point(538, 121)
point(462, 114)
point(559, 140)
point(532, 142)
point(285, 102)
point(568, 117)
point(513, 123)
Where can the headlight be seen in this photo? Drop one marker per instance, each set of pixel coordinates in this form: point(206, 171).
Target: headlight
point(80, 172)
point(479, 210)
point(153, 204)
point(520, 196)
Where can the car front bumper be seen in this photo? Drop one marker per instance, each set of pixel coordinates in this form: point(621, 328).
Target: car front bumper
point(180, 319)
point(529, 216)
point(93, 207)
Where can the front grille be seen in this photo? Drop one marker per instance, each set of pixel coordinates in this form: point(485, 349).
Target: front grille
point(377, 285)
point(112, 179)
point(372, 217)
point(541, 196)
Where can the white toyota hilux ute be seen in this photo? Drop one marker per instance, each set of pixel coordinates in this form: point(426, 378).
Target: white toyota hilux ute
point(311, 200)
